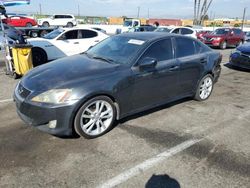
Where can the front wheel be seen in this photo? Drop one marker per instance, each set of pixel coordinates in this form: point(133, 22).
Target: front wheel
point(205, 88)
point(223, 45)
point(95, 118)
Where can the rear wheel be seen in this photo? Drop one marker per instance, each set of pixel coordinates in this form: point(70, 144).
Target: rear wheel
point(95, 118)
point(45, 24)
point(70, 24)
point(34, 34)
point(223, 45)
point(28, 24)
point(39, 56)
point(205, 88)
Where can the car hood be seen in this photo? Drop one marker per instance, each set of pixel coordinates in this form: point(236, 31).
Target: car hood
point(244, 48)
point(66, 71)
point(36, 40)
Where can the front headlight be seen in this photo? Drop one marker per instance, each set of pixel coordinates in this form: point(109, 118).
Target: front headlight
point(217, 38)
point(55, 96)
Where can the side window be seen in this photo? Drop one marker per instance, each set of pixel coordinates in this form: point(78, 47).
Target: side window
point(69, 35)
point(176, 31)
point(184, 47)
point(87, 34)
point(68, 16)
point(200, 48)
point(161, 50)
point(185, 31)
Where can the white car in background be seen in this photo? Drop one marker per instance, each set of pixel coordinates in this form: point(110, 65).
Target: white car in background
point(64, 42)
point(187, 31)
point(67, 20)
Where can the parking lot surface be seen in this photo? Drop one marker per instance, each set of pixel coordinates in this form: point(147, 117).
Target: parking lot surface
point(182, 144)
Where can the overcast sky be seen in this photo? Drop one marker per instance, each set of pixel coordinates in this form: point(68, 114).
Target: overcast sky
point(157, 8)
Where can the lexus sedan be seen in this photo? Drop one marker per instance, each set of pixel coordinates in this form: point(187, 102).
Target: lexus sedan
point(123, 75)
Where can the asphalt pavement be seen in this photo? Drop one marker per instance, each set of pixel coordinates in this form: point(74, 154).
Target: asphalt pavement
point(183, 144)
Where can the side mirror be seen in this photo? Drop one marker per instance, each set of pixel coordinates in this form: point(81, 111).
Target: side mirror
point(147, 63)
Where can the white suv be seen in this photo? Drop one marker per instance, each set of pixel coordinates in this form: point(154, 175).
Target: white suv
point(67, 20)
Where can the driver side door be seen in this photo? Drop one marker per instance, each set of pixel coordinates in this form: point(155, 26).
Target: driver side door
point(157, 84)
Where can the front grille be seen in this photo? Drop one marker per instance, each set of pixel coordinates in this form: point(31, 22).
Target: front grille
point(22, 91)
point(208, 39)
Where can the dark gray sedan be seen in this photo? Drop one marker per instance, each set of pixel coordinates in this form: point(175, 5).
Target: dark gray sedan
point(121, 76)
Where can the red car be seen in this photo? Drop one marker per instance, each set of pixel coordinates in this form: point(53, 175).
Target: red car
point(224, 37)
point(20, 21)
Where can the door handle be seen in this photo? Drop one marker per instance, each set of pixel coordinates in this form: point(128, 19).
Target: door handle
point(76, 42)
point(203, 60)
point(173, 68)
point(97, 41)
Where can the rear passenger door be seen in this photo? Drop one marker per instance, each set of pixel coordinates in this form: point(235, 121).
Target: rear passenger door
point(86, 39)
point(192, 61)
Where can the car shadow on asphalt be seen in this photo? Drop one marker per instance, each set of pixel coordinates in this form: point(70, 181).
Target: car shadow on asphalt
point(153, 110)
point(162, 181)
point(230, 66)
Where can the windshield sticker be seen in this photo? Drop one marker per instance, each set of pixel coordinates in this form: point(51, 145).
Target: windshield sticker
point(136, 42)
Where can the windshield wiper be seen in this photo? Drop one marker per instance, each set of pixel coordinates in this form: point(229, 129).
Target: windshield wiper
point(104, 59)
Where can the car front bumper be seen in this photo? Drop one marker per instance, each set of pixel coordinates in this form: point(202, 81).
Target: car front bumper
point(42, 116)
point(240, 60)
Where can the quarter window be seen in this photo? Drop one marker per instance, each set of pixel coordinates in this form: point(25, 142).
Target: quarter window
point(161, 50)
point(184, 47)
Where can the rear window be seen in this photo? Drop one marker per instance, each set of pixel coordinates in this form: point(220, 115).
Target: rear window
point(184, 47)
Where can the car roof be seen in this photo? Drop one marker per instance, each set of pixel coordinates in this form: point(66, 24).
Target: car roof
point(147, 36)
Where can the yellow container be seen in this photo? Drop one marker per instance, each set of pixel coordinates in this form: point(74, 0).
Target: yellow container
point(22, 57)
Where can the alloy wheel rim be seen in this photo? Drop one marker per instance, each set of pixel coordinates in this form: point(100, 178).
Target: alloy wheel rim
point(206, 88)
point(96, 118)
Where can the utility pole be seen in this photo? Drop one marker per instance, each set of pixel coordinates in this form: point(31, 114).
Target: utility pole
point(78, 7)
point(138, 13)
point(243, 19)
point(195, 11)
point(40, 8)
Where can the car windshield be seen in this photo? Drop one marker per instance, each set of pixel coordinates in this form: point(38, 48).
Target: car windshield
point(221, 32)
point(127, 23)
point(54, 34)
point(162, 30)
point(116, 49)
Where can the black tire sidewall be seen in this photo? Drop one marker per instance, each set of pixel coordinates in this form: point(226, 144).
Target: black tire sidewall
point(45, 24)
point(197, 95)
point(69, 25)
point(42, 54)
point(77, 126)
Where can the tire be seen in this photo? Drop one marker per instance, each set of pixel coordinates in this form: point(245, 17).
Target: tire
point(88, 126)
point(34, 34)
point(240, 43)
point(69, 24)
point(204, 88)
point(39, 57)
point(45, 24)
point(223, 45)
point(29, 24)
point(43, 33)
